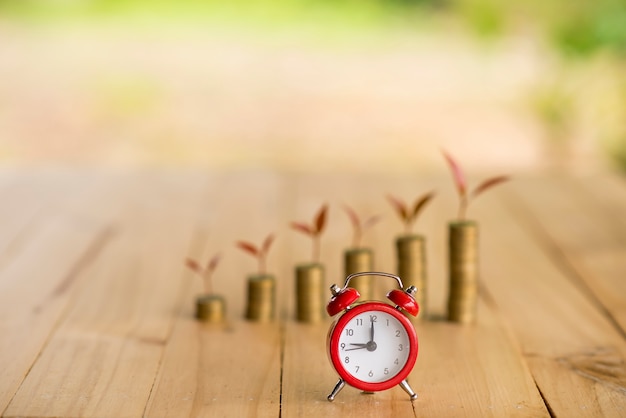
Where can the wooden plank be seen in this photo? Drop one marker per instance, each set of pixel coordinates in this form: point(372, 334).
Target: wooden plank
point(219, 371)
point(37, 274)
point(591, 240)
point(473, 371)
point(122, 341)
point(234, 371)
point(555, 322)
point(571, 215)
point(103, 358)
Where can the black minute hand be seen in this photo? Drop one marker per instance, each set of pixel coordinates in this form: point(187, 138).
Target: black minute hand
point(372, 331)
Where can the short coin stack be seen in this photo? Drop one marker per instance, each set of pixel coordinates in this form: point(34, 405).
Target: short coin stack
point(310, 297)
point(411, 259)
point(210, 308)
point(463, 264)
point(261, 298)
point(358, 260)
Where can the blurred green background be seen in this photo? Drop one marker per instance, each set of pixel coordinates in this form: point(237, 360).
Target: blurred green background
point(314, 85)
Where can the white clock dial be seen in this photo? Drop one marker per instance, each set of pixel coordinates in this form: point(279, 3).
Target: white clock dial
point(373, 346)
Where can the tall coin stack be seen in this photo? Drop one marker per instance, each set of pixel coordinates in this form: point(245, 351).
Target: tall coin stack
point(411, 266)
point(261, 298)
point(358, 260)
point(310, 297)
point(210, 308)
point(463, 265)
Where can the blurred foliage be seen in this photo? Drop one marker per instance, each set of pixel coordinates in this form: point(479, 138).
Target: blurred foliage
point(580, 31)
point(577, 28)
point(553, 104)
point(351, 12)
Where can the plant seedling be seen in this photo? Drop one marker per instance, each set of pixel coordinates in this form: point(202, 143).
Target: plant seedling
point(358, 226)
point(314, 230)
point(260, 253)
point(461, 185)
point(206, 272)
point(407, 215)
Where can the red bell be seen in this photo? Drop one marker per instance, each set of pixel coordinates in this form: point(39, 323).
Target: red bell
point(341, 299)
point(405, 300)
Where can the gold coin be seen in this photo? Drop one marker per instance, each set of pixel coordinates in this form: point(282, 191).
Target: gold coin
point(310, 296)
point(358, 260)
point(261, 298)
point(411, 267)
point(210, 308)
point(463, 271)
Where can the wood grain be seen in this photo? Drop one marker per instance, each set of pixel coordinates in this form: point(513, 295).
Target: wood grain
point(96, 305)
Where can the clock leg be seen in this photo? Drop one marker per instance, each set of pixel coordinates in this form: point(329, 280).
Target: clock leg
point(340, 384)
point(405, 385)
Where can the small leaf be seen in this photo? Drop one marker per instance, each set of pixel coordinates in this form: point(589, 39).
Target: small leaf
point(213, 262)
point(457, 174)
point(249, 248)
point(267, 243)
point(193, 265)
point(399, 206)
point(320, 219)
point(419, 204)
point(489, 183)
point(302, 227)
point(354, 218)
point(371, 221)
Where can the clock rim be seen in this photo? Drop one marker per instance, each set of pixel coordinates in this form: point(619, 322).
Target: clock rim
point(333, 345)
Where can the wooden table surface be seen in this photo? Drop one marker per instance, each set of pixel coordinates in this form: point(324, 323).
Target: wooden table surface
point(96, 305)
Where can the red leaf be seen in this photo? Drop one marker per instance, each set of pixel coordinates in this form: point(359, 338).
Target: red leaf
point(267, 243)
point(193, 265)
point(249, 248)
point(399, 206)
point(419, 204)
point(354, 218)
point(371, 221)
point(213, 262)
point(489, 183)
point(457, 174)
point(320, 219)
point(302, 227)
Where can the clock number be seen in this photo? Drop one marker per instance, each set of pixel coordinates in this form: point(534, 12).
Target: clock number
point(371, 373)
point(400, 348)
point(349, 332)
point(359, 321)
point(397, 333)
point(357, 369)
point(387, 322)
point(373, 318)
point(396, 361)
point(386, 370)
point(343, 346)
point(346, 360)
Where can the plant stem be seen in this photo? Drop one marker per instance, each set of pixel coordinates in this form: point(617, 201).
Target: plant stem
point(408, 226)
point(462, 207)
point(261, 264)
point(356, 239)
point(207, 284)
point(316, 249)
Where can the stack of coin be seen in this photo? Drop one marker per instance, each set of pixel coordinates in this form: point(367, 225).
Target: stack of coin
point(261, 298)
point(310, 297)
point(210, 308)
point(358, 260)
point(411, 263)
point(463, 265)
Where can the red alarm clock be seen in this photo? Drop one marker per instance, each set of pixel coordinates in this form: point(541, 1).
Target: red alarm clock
point(372, 345)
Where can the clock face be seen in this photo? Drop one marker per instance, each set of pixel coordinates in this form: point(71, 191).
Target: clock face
point(373, 346)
